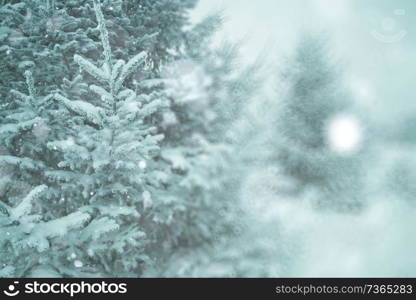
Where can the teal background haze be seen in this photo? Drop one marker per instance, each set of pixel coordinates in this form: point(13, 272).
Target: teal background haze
point(378, 241)
point(381, 74)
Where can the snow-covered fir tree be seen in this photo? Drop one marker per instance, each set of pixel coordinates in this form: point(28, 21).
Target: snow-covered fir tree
point(107, 164)
point(32, 236)
point(110, 92)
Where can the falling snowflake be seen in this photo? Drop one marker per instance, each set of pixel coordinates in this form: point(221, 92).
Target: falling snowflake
point(147, 199)
point(78, 264)
point(168, 119)
point(344, 134)
point(41, 131)
point(142, 164)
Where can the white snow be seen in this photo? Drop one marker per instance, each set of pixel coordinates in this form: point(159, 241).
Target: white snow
point(188, 83)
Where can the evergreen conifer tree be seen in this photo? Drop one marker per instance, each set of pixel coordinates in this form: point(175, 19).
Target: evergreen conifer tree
point(107, 163)
point(313, 94)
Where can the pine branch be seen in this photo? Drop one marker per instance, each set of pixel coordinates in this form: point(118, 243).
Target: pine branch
point(103, 32)
point(22, 162)
point(91, 69)
point(30, 85)
point(22, 97)
point(26, 205)
point(19, 127)
point(55, 228)
point(4, 209)
point(129, 68)
point(88, 111)
point(117, 69)
point(105, 96)
point(98, 227)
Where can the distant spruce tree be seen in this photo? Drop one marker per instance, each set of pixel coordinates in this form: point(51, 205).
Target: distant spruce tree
point(313, 94)
point(207, 89)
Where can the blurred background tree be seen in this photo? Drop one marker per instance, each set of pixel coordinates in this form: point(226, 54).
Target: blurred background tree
point(318, 129)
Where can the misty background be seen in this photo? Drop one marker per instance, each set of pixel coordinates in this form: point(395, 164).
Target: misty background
point(380, 72)
point(374, 42)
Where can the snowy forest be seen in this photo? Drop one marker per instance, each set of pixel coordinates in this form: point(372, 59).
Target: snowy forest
point(138, 139)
